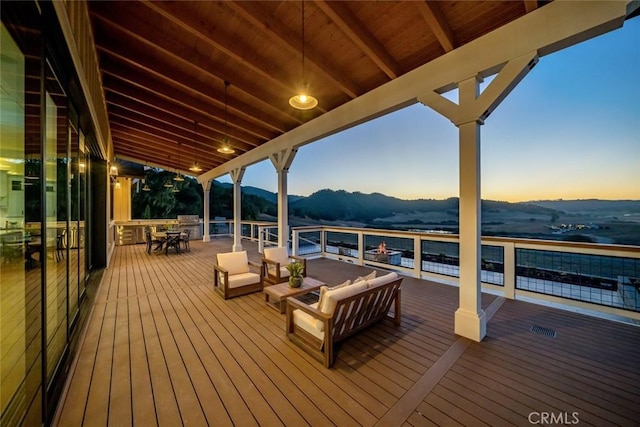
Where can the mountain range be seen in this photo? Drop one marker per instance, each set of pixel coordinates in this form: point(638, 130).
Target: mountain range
point(341, 205)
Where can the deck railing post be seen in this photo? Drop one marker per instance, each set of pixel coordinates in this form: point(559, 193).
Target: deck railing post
point(417, 256)
point(262, 231)
point(509, 273)
point(361, 248)
point(294, 242)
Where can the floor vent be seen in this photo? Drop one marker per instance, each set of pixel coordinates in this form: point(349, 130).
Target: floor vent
point(543, 331)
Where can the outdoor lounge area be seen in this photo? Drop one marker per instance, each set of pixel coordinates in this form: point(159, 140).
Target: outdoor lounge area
point(122, 117)
point(161, 348)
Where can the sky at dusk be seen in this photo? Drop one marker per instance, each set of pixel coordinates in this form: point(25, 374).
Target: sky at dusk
point(570, 130)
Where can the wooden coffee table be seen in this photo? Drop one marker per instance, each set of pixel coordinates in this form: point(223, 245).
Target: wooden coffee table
point(276, 295)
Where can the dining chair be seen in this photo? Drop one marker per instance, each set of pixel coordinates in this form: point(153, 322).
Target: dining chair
point(184, 238)
point(173, 241)
point(151, 241)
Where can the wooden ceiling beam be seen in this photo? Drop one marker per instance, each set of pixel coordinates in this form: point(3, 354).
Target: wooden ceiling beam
point(432, 14)
point(358, 33)
point(117, 101)
point(188, 108)
point(171, 88)
point(216, 39)
point(167, 163)
point(140, 47)
point(153, 142)
point(137, 128)
point(126, 138)
point(118, 114)
point(262, 19)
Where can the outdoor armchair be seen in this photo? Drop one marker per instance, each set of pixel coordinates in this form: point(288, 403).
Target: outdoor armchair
point(274, 265)
point(233, 276)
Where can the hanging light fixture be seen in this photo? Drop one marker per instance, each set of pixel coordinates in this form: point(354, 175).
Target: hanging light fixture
point(195, 167)
point(168, 184)
point(302, 100)
point(175, 189)
point(226, 148)
point(145, 187)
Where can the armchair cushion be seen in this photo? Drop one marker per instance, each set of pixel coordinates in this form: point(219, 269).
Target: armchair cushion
point(234, 262)
point(279, 254)
point(243, 279)
point(284, 273)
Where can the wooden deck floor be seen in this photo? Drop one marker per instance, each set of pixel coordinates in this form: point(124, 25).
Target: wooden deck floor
point(161, 348)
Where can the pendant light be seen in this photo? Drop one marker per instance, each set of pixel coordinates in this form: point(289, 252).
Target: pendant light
point(302, 100)
point(145, 187)
point(226, 148)
point(195, 167)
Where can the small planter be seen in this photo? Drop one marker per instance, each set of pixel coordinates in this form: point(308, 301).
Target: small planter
point(295, 281)
point(295, 274)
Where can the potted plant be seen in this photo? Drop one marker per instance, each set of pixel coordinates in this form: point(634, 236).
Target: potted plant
point(295, 274)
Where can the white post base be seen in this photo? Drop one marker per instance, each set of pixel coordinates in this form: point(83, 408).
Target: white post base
point(471, 325)
point(206, 238)
point(237, 248)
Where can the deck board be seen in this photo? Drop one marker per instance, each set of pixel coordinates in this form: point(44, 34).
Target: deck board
point(162, 348)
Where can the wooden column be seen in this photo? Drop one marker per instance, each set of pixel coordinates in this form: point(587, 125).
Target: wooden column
point(236, 177)
point(468, 115)
point(206, 187)
point(282, 162)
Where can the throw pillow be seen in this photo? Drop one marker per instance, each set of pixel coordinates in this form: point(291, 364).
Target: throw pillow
point(325, 289)
point(369, 276)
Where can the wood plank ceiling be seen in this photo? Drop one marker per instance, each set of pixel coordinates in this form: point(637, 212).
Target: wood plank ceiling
point(164, 64)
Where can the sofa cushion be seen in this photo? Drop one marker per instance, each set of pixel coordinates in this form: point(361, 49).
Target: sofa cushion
point(325, 289)
point(383, 279)
point(308, 323)
point(331, 299)
point(234, 262)
point(279, 254)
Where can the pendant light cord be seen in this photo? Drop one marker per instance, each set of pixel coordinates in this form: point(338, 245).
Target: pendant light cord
point(226, 123)
point(303, 70)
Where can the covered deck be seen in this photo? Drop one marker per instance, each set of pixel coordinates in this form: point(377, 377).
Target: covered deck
point(161, 348)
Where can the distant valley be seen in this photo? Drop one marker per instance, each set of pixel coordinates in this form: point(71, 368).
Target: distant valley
point(597, 221)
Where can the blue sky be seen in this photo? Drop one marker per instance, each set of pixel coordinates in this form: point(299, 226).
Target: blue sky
point(570, 130)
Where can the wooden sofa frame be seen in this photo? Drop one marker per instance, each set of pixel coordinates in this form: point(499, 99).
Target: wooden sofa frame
point(351, 315)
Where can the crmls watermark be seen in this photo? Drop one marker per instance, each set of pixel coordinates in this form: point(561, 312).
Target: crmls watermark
point(554, 418)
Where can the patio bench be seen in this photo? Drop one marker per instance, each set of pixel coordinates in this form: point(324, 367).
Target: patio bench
point(340, 313)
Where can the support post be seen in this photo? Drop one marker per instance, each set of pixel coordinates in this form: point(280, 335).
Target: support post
point(470, 319)
point(206, 187)
point(471, 112)
point(282, 162)
point(236, 178)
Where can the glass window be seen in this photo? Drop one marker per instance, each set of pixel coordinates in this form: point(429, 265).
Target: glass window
point(20, 224)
